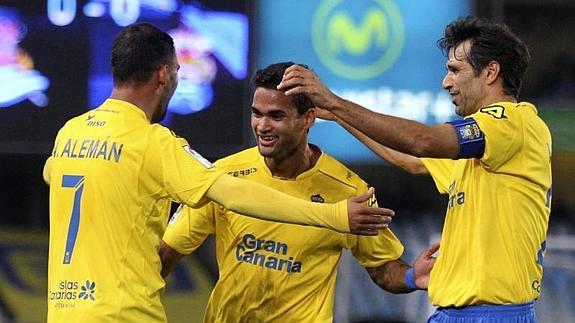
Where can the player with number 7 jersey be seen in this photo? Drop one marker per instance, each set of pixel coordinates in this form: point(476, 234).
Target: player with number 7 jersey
point(109, 199)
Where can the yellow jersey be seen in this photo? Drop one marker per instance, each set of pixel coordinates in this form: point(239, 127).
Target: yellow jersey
point(498, 210)
point(274, 272)
point(112, 178)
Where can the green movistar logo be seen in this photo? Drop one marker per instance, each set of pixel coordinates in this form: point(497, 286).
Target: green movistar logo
point(343, 35)
point(360, 48)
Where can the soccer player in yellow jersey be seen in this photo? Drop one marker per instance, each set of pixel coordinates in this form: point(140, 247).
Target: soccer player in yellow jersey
point(495, 166)
point(276, 272)
point(113, 173)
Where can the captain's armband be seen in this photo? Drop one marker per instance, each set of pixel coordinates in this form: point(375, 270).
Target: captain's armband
point(471, 139)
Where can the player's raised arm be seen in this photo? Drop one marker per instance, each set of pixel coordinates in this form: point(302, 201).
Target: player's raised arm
point(408, 163)
point(407, 136)
point(259, 201)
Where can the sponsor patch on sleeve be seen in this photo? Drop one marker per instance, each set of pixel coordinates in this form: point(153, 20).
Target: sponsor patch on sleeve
point(198, 157)
point(176, 215)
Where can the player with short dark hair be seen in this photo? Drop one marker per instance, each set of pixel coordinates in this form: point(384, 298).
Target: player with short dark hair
point(114, 173)
point(272, 272)
point(490, 40)
point(495, 166)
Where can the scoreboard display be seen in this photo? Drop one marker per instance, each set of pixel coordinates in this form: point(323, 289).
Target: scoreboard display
point(54, 65)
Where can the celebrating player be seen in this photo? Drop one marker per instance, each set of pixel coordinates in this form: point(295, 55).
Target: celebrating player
point(275, 272)
point(495, 165)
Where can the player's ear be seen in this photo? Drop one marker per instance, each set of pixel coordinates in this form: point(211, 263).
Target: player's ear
point(492, 71)
point(310, 117)
point(163, 74)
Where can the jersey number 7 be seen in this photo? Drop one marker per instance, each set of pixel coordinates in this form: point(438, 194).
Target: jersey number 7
point(76, 182)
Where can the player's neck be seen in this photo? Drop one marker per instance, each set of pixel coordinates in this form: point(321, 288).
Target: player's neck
point(143, 97)
point(289, 168)
point(496, 94)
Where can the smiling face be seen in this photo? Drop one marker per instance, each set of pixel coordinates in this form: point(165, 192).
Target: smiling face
point(279, 131)
point(466, 88)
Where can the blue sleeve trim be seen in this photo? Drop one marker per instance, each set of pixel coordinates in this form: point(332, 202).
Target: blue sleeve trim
point(470, 137)
point(410, 279)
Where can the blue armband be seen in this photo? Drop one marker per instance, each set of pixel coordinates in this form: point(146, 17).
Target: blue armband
point(470, 137)
point(410, 279)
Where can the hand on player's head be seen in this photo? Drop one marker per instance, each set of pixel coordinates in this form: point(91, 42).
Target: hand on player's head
point(300, 80)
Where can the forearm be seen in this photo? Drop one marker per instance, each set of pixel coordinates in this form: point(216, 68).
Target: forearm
point(169, 258)
point(407, 136)
point(408, 163)
point(256, 200)
point(391, 276)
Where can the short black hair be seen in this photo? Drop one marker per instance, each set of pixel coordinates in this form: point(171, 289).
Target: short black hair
point(269, 78)
point(138, 51)
point(490, 41)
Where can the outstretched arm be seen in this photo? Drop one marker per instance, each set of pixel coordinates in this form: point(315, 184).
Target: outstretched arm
point(408, 163)
point(253, 199)
point(392, 275)
point(403, 135)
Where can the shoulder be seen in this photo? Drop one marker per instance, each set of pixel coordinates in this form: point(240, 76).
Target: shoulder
point(162, 131)
point(244, 159)
point(163, 135)
point(73, 126)
point(506, 111)
point(78, 120)
point(505, 116)
point(331, 167)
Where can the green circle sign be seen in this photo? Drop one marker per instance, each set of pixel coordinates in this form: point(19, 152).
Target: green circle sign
point(358, 51)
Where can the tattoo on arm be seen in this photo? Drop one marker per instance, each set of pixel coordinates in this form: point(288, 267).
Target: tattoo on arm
point(390, 276)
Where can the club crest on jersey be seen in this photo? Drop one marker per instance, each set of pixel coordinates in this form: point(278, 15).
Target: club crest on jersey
point(317, 198)
point(469, 132)
point(496, 111)
point(198, 157)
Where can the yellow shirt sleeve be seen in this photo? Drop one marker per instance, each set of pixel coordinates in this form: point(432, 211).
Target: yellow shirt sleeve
point(259, 201)
point(188, 228)
point(183, 174)
point(504, 134)
point(441, 170)
point(47, 170)
point(374, 251)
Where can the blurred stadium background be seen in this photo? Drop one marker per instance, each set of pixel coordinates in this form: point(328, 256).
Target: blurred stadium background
point(54, 64)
